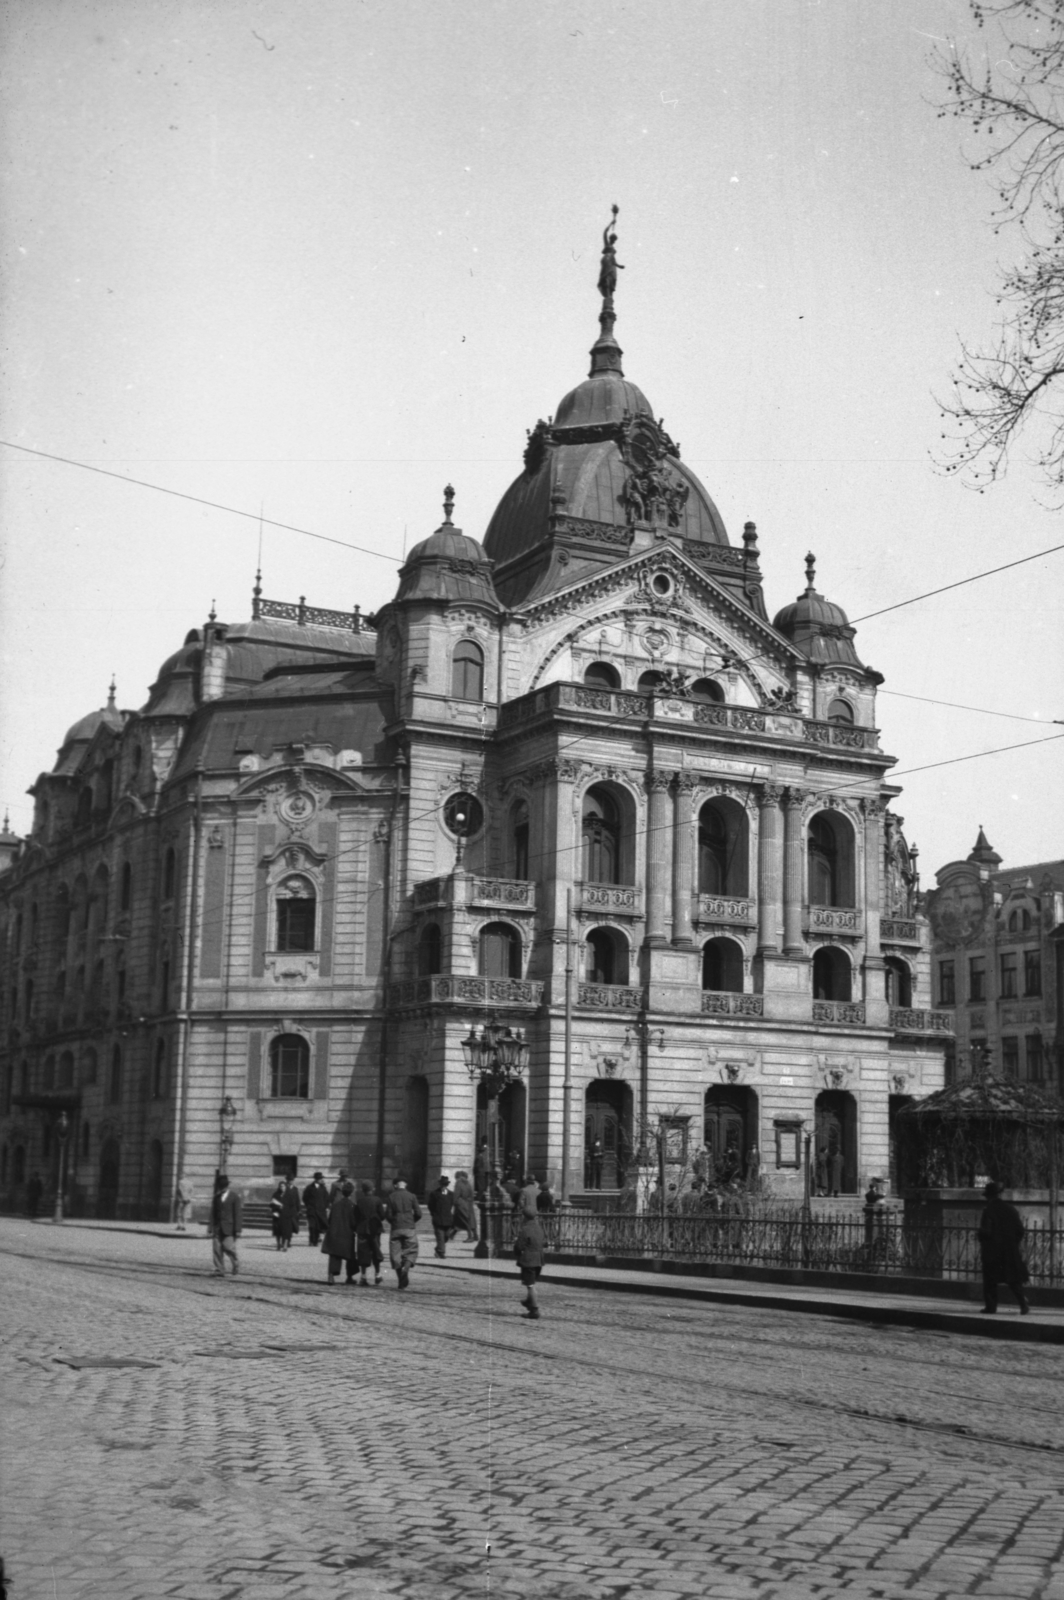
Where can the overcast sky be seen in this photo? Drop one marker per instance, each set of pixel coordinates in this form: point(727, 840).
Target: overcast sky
point(325, 257)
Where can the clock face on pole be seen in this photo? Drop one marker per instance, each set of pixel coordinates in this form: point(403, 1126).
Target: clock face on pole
point(957, 911)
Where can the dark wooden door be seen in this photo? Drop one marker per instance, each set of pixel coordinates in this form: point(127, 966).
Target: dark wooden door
point(725, 1139)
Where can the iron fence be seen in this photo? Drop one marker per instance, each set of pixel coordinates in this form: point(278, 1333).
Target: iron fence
point(881, 1242)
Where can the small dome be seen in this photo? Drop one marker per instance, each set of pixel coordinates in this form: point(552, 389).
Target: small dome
point(447, 565)
point(817, 626)
point(85, 728)
point(604, 397)
point(448, 544)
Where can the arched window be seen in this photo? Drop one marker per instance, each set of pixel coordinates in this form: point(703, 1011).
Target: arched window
point(707, 692)
point(430, 951)
point(832, 974)
point(169, 874)
point(602, 837)
point(160, 1079)
point(295, 914)
point(114, 1084)
point(605, 957)
point(83, 814)
point(898, 982)
point(125, 899)
point(831, 875)
point(723, 848)
point(722, 966)
point(600, 675)
point(289, 1067)
point(467, 671)
point(841, 712)
point(651, 682)
point(65, 1079)
point(500, 951)
point(519, 839)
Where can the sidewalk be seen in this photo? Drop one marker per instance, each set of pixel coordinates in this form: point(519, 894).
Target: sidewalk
point(1045, 1325)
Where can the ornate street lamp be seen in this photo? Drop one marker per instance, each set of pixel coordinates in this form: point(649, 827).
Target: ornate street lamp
point(494, 1060)
point(227, 1118)
point(62, 1133)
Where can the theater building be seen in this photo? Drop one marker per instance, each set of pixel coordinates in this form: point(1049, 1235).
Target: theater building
point(255, 919)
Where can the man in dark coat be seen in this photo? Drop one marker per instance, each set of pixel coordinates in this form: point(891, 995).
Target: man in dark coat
point(289, 1213)
point(481, 1168)
point(226, 1220)
point(339, 1241)
point(465, 1215)
point(369, 1225)
point(404, 1214)
point(316, 1205)
point(528, 1253)
point(441, 1210)
point(1001, 1233)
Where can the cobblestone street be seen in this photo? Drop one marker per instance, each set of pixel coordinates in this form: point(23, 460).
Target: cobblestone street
point(167, 1434)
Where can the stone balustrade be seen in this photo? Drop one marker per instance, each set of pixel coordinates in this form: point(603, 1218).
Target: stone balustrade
point(899, 930)
point(838, 1011)
point(611, 899)
point(738, 912)
point(833, 919)
point(720, 1003)
point(467, 991)
point(905, 1019)
point(610, 997)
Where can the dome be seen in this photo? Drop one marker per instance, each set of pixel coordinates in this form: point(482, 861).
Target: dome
point(447, 565)
point(604, 397)
point(86, 727)
point(817, 626)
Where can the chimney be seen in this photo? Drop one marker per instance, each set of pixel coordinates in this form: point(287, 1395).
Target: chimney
point(215, 658)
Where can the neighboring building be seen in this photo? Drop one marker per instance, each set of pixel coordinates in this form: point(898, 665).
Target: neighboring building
point(287, 887)
point(999, 964)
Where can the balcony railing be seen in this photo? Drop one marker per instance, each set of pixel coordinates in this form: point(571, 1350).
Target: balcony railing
point(611, 899)
point(718, 1002)
point(725, 908)
point(467, 991)
point(516, 893)
point(834, 919)
point(845, 1011)
point(904, 1019)
point(840, 736)
point(899, 930)
point(610, 997)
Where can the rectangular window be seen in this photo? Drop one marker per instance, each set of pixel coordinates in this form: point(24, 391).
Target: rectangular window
point(788, 1144)
point(1009, 975)
point(947, 984)
point(295, 924)
point(1034, 1058)
point(977, 978)
point(1032, 972)
point(950, 1065)
point(1010, 1058)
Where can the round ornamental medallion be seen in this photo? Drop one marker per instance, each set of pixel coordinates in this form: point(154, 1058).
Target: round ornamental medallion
point(957, 911)
point(656, 641)
point(297, 808)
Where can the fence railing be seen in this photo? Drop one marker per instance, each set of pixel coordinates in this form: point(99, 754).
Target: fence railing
point(879, 1242)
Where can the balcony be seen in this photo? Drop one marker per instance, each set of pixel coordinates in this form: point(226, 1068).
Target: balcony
point(467, 991)
point(840, 736)
point(834, 919)
point(904, 1019)
point(611, 899)
point(722, 1003)
point(838, 1011)
point(515, 894)
point(898, 930)
point(610, 997)
point(738, 913)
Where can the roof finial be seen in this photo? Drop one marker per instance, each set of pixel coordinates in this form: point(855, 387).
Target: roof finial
point(810, 572)
point(448, 503)
point(212, 615)
point(111, 694)
point(256, 596)
point(606, 352)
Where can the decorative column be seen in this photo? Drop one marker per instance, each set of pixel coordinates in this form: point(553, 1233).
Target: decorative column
point(769, 869)
point(873, 860)
point(659, 854)
point(683, 871)
point(793, 850)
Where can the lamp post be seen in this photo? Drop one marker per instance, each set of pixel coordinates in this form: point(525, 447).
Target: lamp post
point(62, 1133)
point(227, 1119)
point(494, 1060)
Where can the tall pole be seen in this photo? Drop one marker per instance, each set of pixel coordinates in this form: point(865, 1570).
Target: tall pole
point(1054, 1199)
point(567, 1084)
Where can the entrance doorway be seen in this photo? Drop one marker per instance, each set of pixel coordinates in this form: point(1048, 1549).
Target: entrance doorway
point(415, 1145)
point(730, 1133)
point(607, 1134)
point(895, 1103)
point(507, 1142)
point(107, 1201)
point(836, 1136)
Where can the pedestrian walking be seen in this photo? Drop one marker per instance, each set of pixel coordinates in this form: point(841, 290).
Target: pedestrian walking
point(821, 1170)
point(481, 1169)
point(528, 1197)
point(227, 1217)
point(528, 1253)
point(338, 1187)
point(34, 1190)
point(277, 1215)
point(182, 1203)
point(545, 1201)
point(465, 1214)
point(594, 1160)
point(316, 1205)
point(369, 1225)
point(289, 1213)
point(835, 1170)
point(339, 1241)
point(1001, 1232)
point(404, 1214)
point(441, 1210)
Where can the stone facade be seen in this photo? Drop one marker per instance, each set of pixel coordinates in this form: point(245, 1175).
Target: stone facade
point(325, 848)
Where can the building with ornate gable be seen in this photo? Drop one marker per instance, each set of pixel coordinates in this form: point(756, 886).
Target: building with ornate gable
point(255, 920)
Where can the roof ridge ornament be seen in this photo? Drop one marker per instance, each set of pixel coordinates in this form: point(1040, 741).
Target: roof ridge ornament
point(111, 694)
point(810, 573)
point(448, 504)
point(606, 352)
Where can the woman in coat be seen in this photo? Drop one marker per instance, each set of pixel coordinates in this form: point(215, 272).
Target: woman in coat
point(528, 1253)
point(289, 1213)
point(339, 1241)
point(277, 1215)
point(465, 1214)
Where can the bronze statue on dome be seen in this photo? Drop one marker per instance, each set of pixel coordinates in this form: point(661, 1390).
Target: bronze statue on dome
point(610, 267)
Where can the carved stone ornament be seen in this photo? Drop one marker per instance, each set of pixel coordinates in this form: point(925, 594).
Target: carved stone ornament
point(609, 1059)
point(899, 1083)
point(297, 808)
point(958, 909)
point(834, 1074)
point(651, 492)
point(769, 794)
point(215, 838)
point(656, 641)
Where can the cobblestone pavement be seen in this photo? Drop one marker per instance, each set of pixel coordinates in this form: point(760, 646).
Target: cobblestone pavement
point(270, 1436)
